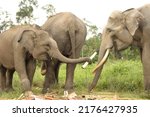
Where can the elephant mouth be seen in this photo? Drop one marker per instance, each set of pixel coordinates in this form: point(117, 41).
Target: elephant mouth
point(102, 61)
point(42, 56)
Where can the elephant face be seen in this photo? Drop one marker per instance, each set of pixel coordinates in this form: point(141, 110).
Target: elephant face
point(42, 46)
point(123, 26)
point(36, 42)
point(119, 33)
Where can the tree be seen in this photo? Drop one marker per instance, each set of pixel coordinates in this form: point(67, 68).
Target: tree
point(25, 13)
point(50, 10)
point(93, 30)
point(5, 21)
point(93, 40)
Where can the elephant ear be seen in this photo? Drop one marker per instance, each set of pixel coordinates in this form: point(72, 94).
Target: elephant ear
point(26, 38)
point(133, 18)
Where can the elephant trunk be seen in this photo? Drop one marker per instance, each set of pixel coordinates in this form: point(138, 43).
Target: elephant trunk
point(57, 54)
point(102, 61)
point(105, 47)
point(98, 69)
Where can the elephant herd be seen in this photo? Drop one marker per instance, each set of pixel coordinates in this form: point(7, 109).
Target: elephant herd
point(60, 39)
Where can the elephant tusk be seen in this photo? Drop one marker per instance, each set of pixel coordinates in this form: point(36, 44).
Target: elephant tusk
point(91, 57)
point(102, 61)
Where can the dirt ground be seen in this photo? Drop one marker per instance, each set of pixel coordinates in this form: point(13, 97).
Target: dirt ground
point(95, 96)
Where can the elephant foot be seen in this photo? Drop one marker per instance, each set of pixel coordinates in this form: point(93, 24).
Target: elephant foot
point(45, 90)
point(147, 87)
point(29, 95)
point(25, 84)
point(70, 96)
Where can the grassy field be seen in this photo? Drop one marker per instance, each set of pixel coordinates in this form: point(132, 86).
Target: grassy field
point(121, 79)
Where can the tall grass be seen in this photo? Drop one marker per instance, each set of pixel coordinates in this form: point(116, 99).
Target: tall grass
point(117, 76)
point(122, 76)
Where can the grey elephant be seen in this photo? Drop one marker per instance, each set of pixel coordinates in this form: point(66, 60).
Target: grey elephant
point(20, 46)
point(69, 32)
point(131, 27)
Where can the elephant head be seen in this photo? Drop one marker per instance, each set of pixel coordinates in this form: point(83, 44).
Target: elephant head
point(120, 32)
point(38, 43)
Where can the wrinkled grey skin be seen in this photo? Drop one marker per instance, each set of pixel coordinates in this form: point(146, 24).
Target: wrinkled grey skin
point(69, 32)
point(131, 27)
point(20, 46)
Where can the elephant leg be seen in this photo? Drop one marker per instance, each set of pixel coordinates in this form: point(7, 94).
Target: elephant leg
point(49, 77)
point(140, 51)
point(146, 66)
point(25, 82)
point(70, 72)
point(69, 77)
point(2, 78)
point(9, 79)
point(31, 66)
point(57, 66)
point(21, 61)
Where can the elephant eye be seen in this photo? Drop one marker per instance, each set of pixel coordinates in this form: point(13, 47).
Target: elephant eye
point(109, 30)
point(114, 37)
point(47, 46)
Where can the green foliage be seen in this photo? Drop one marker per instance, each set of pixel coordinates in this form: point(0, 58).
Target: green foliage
point(91, 45)
point(25, 13)
point(50, 10)
point(132, 53)
point(122, 75)
point(92, 30)
point(5, 21)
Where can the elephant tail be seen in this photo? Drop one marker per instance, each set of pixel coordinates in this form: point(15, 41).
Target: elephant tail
point(72, 35)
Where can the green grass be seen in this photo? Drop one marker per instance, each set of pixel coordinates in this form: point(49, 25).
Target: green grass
point(121, 77)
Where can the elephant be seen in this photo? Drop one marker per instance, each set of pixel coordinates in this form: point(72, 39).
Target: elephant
point(124, 29)
point(69, 32)
point(20, 47)
point(6, 82)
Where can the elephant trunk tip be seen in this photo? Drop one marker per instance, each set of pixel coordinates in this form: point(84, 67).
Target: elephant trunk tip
point(90, 88)
point(91, 57)
point(87, 59)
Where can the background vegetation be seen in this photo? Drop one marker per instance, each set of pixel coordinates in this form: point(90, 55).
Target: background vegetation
point(119, 75)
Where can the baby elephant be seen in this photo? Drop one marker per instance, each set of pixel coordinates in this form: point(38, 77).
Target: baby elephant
point(20, 46)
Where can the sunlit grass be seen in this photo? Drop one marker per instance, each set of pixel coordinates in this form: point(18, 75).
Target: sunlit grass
point(123, 77)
